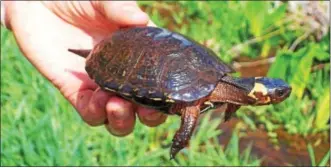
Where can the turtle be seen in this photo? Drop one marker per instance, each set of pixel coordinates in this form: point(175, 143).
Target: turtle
point(176, 75)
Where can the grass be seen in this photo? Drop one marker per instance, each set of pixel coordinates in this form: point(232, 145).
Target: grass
point(324, 161)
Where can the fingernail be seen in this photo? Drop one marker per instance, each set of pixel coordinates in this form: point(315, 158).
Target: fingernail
point(130, 9)
point(153, 116)
point(120, 114)
point(134, 12)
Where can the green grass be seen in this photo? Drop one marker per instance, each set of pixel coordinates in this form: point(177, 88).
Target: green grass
point(324, 161)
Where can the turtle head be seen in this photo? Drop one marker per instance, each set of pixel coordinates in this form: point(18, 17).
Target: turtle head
point(269, 90)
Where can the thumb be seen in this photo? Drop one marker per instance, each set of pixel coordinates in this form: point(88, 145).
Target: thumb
point(123, 13)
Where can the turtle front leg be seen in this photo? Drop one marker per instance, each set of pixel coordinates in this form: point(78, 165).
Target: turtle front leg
point(181, 139)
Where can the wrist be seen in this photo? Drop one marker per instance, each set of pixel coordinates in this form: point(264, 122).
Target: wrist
point(5, 14)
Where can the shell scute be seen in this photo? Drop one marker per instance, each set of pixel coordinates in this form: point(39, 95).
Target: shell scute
point(112, 85)
point(156, 95)
point(126, 90)
point(142, 92)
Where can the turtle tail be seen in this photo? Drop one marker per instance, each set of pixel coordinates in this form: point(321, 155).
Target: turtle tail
point(80, 52)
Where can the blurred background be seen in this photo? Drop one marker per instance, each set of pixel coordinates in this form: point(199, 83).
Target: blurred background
point(288, 40)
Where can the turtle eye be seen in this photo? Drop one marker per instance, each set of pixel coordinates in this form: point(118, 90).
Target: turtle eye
point(280, 92)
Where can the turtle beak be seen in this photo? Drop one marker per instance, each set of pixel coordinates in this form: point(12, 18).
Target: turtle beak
point(287, 92)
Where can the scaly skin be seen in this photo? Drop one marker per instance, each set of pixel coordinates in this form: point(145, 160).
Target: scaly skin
point(259, 92)
point(230, 110)
point(181, 139)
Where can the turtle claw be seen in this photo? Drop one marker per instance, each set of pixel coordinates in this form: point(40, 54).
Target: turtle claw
point(175, 148)
point(172, 156)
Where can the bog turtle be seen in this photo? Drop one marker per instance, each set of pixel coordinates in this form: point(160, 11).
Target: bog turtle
point(174, 74)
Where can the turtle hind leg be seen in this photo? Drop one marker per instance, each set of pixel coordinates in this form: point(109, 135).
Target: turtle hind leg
point(181, 139)
point(230, 110)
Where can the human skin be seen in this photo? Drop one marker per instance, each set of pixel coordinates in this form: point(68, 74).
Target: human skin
point(45, 30)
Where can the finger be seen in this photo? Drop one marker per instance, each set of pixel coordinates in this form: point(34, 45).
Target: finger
point(90, 105)
point(150, 117)
point(80, 100)
point(123, 12)
point(96, 113)
point(120, 115)
point(151, 23)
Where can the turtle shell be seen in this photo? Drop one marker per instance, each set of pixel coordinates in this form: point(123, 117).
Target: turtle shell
point(153, 65)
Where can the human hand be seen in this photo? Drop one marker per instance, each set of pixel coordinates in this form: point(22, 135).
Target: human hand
point(45, 30)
